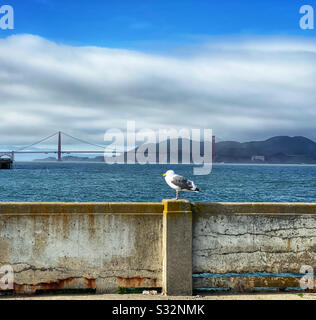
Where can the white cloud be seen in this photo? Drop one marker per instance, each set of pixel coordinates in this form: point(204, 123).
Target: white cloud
point(240, 89)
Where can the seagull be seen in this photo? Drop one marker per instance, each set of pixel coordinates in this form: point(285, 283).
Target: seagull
point(179, 183)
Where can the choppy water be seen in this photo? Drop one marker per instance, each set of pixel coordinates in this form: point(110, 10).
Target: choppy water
point(101, 182)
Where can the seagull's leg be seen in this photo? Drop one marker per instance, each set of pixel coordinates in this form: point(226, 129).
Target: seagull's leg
point(176, 198)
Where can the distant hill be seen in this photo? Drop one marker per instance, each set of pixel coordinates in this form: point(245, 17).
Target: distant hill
point(183, 156)
point(279, 149)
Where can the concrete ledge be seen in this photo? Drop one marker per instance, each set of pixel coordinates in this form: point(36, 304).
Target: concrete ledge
point(80, 208)
point(252, 208)
point(154, 208)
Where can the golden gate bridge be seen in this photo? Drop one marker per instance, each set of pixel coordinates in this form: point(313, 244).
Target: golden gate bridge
point(5, 163)
point(59, 151)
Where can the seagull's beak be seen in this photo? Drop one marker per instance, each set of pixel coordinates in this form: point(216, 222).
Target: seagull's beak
point(164, 174)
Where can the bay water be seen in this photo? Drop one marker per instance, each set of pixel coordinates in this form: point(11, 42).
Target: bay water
point(86, 182)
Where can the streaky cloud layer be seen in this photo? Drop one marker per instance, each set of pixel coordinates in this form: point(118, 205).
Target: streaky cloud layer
point(242, 89)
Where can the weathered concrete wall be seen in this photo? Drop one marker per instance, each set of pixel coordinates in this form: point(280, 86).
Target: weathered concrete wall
point(246, 246)
point(103, 246)
point(88, 245)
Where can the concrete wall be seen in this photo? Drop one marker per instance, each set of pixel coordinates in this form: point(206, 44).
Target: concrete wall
point(103, 246)
point(93, 245)
point(248, 246)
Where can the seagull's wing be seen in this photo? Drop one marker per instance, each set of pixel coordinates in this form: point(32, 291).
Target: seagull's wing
point(182, 182)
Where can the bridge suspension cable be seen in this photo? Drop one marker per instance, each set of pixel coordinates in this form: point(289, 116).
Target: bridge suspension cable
point(54, 134)
point(37, 142)
point(83, 141)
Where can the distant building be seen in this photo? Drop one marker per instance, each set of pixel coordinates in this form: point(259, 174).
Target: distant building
point(257, 158)
point(5, 163)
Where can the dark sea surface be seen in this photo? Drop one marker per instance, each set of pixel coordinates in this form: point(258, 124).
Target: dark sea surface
point(82, 182)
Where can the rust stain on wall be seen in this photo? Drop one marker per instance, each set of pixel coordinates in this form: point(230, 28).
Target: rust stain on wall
point(288, 244)
point(90, 283)
point(136, 282)
point(51, 285)
point(245, 284)
point(65, 225)
point(91, 226)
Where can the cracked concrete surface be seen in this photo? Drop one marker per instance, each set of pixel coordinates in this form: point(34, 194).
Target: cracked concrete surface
point(249, 243)
point(255, 243)
point(74, 246)
point(81, 251)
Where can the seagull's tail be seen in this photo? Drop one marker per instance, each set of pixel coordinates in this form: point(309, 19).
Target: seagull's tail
point(197, 190)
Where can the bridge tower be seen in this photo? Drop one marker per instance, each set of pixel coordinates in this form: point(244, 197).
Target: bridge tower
point(213, 149)
point(59, 146)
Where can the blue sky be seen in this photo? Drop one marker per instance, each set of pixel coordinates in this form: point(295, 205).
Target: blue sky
point(153, 24)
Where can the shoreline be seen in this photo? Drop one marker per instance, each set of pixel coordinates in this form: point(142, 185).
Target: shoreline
point(174, 164)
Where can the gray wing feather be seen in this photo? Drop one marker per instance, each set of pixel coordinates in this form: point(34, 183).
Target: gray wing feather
point(182, 182)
